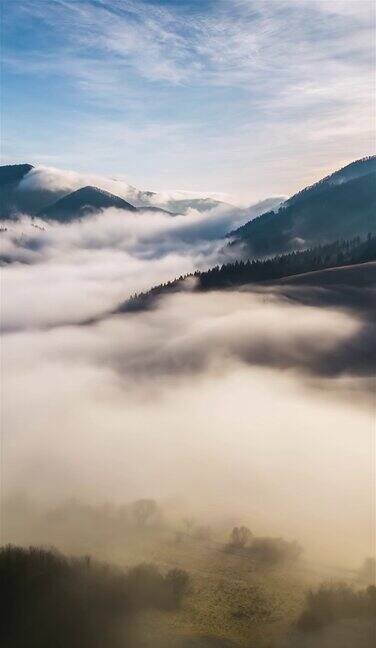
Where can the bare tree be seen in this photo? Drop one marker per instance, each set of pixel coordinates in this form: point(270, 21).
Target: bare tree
point(240, 537)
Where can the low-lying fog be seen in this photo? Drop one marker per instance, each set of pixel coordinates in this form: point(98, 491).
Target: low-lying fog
point(227, 403)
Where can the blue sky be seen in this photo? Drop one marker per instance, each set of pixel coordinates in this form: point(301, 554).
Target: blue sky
point(247, 98)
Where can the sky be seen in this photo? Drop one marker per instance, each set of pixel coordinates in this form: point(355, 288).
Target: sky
point(242, 98)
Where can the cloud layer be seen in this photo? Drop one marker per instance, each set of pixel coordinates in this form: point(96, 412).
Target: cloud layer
point(248, 402)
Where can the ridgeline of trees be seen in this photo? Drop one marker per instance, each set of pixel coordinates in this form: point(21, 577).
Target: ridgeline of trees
point(318, 258)
point(239, 273)
point(48, 600)
point(74, 526)
point(358, 168)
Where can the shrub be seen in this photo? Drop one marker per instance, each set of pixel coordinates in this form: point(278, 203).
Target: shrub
point(239, 538)
point(48, 600)
point(145, 510)
point(177, 582)
point(335, 601)
point(274, 551)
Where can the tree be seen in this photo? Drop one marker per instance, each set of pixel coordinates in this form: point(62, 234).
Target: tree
point(144, 510)
point(49, 600)
point(240, 536)
point(177, 580)
point(274, 551)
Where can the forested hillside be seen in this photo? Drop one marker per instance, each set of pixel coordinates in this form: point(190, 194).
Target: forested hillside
point(238, 273)
point(340, 206)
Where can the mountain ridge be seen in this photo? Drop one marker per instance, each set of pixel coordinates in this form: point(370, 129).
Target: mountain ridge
point(83, 201)
point(340, 204)
point(317, 214)
point(233, 275)
point(11, 173)
point(365, 165)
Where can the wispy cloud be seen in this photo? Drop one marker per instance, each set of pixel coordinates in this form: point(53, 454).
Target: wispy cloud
point(207, 75)
point(236, 41)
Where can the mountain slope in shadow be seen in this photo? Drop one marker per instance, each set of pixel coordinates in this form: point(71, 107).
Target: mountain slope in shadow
point(341, 205)
point(82, 202)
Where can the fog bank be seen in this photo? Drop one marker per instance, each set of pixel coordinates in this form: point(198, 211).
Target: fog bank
point(256, 404)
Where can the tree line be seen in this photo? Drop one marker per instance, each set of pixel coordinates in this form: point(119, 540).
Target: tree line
point(48, 600)
point(332, 255)
point(241, 272)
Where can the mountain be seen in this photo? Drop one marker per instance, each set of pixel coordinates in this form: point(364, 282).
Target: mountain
point(40, 194)
point(13, 173)
point(199, 204)
point(341, 205)
point(356, 169)
point(82, 202)
point(156, 210)
point(202, 205)
point(10, 176)
point(268, 204)
point(34, 190)
point(21, 193)
point(356, 251)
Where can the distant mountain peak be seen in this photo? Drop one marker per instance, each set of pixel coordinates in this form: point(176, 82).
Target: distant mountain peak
point(91, 192)
point(85, 200)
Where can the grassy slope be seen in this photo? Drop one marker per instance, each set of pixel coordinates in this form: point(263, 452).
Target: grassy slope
point(229, 597)
point(358, 275)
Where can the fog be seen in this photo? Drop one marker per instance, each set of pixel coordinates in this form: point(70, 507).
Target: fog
point(46, 180)
point(232, 403)
point(66, 272)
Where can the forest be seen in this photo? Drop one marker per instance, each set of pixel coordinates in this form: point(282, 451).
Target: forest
point(242, 272)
